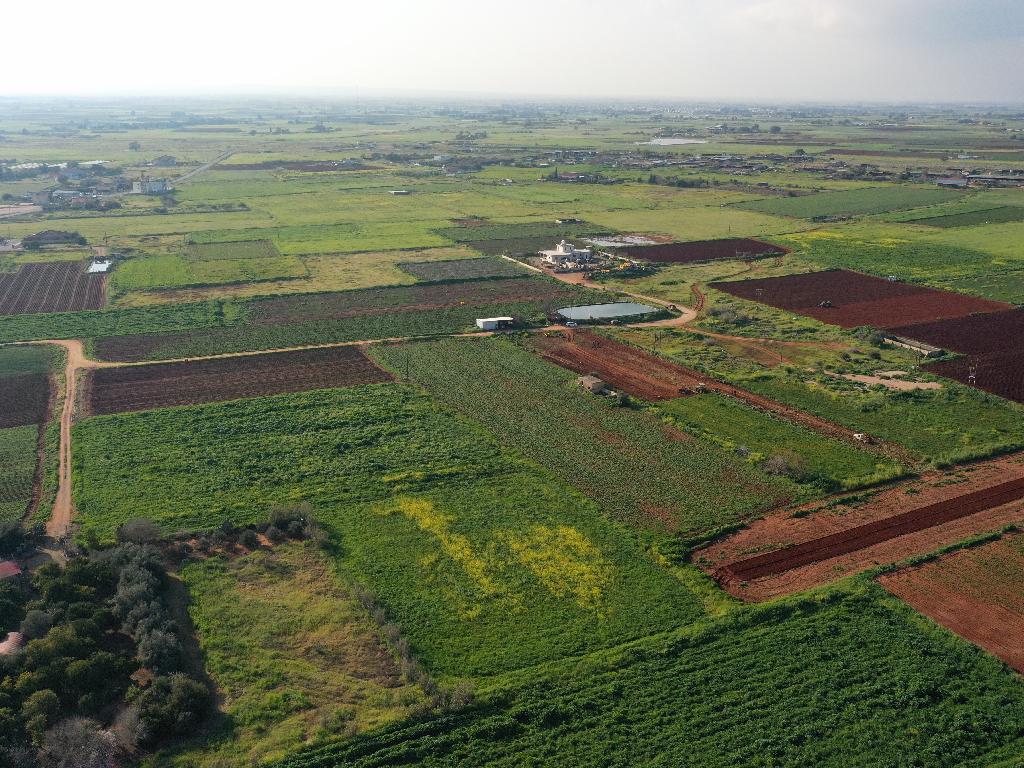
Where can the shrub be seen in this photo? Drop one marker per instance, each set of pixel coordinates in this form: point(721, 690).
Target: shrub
point(36, 624)
point(249, 539)
point(139, 531)
point(78, 743)
point(172, 706)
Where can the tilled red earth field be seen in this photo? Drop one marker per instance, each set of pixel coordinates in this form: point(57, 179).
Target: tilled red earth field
point(977, 593)
point(853, 299)
point(624, 367)
point(162, 385)
point(781, 554)
point(703, 250)
point(974, 334)
point(24, 399)
point(1000, 373)
point(62, 286)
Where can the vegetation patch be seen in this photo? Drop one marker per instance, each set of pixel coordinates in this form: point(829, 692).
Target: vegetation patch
point(462, 269)
point(849, 678)
point(461, 542)
point(851, 202)
point(245, 249)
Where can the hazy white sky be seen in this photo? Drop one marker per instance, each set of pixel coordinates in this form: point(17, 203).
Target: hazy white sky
point(835, 50)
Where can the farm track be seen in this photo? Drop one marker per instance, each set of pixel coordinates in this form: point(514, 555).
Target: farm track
point(863, 536)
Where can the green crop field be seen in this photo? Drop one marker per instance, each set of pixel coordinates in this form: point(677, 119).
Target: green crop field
point(462, 269)
point(854, 679)
point(465, 544)
point(173, 271)
point(246, 249)
point(853, 202)
point(821, 463)
point(941, 426)
point(627, 460)
point(999, 215)
point(18, 459)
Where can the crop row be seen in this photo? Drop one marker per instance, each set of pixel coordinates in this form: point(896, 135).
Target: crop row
point(62, 286)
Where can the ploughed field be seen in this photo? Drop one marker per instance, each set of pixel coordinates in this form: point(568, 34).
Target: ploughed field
point(162, 385)
point(24, 398)
point(851, 299)
point(993, 343)
point(627, 368)
point(785, 553)
point(703, 250)
point(62, 286)
point(978, 593)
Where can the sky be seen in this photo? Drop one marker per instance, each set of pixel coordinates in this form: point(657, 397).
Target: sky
point(723, 50)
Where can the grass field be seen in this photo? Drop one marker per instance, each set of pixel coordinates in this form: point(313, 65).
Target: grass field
point(851, 202)
point(953, 424)
point(854, 679)
point(294, 654)
point(465, 544)
point(246, 249)
point(816, 461)
point(629, 462)
point(333, 272)
point(173, 271)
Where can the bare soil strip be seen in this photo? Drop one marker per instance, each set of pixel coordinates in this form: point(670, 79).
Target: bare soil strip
point(863, 536)
point(782, 532)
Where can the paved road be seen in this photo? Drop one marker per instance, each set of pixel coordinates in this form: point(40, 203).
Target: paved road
point(218, 159)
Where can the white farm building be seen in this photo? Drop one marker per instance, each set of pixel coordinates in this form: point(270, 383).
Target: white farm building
point(493, 323)
point(566, 253)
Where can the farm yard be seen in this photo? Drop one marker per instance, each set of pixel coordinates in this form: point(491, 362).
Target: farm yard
point(977, 592)
point(274, 487)
point(61, 286)
point(161, 385)
point(703, 250)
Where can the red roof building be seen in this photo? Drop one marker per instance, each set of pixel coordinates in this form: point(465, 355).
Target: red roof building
point(9, 569)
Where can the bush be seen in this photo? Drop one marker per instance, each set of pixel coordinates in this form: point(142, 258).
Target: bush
point(275, 534)
point(172, 706)
point(36, 624)
point(78, 743)
point(249, 539)
point(139, 531)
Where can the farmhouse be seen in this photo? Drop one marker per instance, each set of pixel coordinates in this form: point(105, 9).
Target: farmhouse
point(592, 384)
point(14, 641)
point(149, 187)
point(9, 569)
point(565, 254)
point(494, 323)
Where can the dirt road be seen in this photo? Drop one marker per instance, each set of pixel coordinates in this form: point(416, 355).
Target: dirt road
point(59, 523)
point(205, 167)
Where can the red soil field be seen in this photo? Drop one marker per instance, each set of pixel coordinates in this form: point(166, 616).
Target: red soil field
point(974, 334)
point(162, 385)
point(863, 536)
point(977, 593)
point(630, 369)
point(62, 286)
point(999, 373)
point(808, 534)
point(24, 399)
point(703, 250)
point(857, 299)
